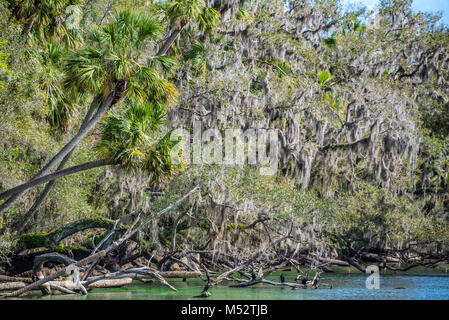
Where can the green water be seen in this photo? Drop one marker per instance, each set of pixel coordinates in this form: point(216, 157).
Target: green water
point(415, 286)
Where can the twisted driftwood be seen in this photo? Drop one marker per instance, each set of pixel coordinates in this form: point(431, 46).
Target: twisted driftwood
point(101, 254)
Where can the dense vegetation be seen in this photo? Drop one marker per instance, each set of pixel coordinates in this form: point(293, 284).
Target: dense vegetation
point(89, 91)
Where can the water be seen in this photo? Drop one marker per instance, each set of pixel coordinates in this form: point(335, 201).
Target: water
point(417, 286)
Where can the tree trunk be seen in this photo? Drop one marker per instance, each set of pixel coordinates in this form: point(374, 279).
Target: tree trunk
point(51, 239)
point(174, 33)
point(175, 226)
point(12, 286)
point(28, 26)
point(107, 104)
point(30, 214)
point(31, 19)
point(53, 176)
point(69, 285)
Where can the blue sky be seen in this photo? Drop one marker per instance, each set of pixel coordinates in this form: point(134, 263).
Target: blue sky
point(418, 5)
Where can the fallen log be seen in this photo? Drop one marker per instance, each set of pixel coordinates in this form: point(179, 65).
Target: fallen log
point(101, 254)
point(273, 283)
point(180, 274)
point(61, 289)
point(133, 274)
point(67, 286)
point(334, 262)
point(12, 286)
point(15, 279)
point(110, 283)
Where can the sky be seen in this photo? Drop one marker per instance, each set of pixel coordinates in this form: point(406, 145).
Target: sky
point(418, 5)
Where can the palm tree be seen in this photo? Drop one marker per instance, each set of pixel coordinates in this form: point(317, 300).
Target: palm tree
point(38, 13)
point(62, 105)
point(134, 140)
point(181, 13)
point(111, 66)
point(197, 56)
point(59, 27)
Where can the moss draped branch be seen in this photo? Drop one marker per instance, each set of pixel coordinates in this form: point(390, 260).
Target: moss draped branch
point(53, 238)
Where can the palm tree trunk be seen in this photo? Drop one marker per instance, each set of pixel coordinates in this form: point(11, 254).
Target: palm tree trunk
point(28, 26)
point(174, 33)
point(107, 104)
point(30, 214)
point(31, 18)
point(55, 175)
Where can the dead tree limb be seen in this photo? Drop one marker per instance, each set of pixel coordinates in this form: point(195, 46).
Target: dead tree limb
point(99, 255)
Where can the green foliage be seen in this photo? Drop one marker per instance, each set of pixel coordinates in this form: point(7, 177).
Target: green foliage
point(46, 19)
point(30, 241)
point(135, 140)
point(197, 54)
point(62, 105)
point(331, 42)
point(51, 77)
point(187, 10)
point(324, 77)
point(112, 53)
point(337, 104)
point(244, 15)
point(4, 70)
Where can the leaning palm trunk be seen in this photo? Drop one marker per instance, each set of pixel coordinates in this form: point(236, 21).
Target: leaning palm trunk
point(30, 213)
point(174, 33)
point(28, 26)
point(113, 97)
point(32, 18)
point(52, 176)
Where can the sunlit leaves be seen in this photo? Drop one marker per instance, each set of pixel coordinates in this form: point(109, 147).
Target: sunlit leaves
point(135, 139)
point(324, 77)
point(62, 106)
point(185, 11)
point(244, 15)
point(197, 55)
point(84, 70)
point(3, 63)
point(166, 63)
point(208, 19)
point(114, 52)
point(337, 104)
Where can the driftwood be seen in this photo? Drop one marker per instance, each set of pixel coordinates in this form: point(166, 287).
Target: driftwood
point(68, 286)
point(111, 283)
point(104, 283)
point(15, 279)
point(101, 254)
point(249, 283)
point(132, 273)
point(180, 274)
point(61, 289)
point(246, 263)
point(12, 285)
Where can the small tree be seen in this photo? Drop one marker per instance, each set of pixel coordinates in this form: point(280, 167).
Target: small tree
point(111, 66)
point(135, 140)
point(181, 13)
